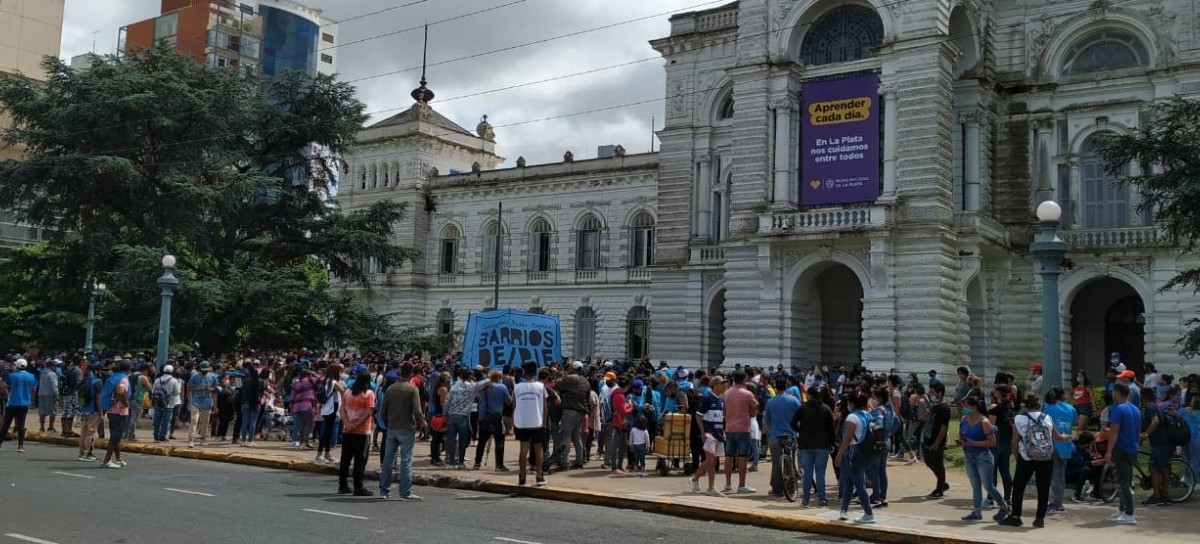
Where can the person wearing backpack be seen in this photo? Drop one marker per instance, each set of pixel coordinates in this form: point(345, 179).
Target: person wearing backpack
point(1033, 440)
point(1157, 418)
point(854, 456)
point(884, 418)
point(164, 389)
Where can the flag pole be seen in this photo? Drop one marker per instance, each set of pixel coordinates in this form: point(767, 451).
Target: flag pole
point(499, 240)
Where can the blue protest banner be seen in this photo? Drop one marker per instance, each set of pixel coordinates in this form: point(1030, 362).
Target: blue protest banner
point(500, 338)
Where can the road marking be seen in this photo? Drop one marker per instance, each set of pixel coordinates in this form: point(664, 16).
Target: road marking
point(188, 492)
point(73, 475)
point(513, 540)
point(331, 513)
point(29, 539)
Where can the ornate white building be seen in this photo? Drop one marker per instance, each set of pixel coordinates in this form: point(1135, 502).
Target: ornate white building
point(716, 249)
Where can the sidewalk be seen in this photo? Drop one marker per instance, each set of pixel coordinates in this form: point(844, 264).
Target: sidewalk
point(908, 515)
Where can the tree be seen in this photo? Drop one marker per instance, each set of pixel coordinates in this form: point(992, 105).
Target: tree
point(1168, 152)
point(151, 154)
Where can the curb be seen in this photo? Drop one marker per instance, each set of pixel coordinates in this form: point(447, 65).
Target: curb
point(725, 514)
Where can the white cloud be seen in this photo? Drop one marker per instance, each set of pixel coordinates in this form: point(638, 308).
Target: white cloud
point(527, 21)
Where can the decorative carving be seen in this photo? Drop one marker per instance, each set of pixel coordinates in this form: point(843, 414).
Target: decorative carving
point(568, 157)
point(1039, 32)
point(619, 151)
point(1166, 28)
point(677, 105)
point(790, 258)
point(521, 162)
point(1141, 267)
point(888, 89)
point(969, 118)
point(784, 102)
point(782, 9)
point(1103, 268)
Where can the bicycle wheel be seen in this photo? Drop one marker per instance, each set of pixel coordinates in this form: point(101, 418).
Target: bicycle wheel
point(1181, 482)
point(788, 468)
point(1108, 484)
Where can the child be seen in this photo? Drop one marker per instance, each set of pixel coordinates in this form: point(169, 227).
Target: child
point(1091, 448)
point(639, 438)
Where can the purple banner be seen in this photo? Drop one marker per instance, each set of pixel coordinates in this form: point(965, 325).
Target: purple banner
point(839, 141)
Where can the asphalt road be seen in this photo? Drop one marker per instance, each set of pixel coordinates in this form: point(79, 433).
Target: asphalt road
point(46, 496)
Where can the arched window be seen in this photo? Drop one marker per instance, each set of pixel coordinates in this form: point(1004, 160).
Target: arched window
point(492, 245)
point(540, 238)
point(445, 321)
point(448, 260)
point(362, 173)
point(642, 244)
point(725, 111)
point(1104, 204)
point(587, 254)
point(585, 333)
point(1104, 50)
point(638, 333)
point(843, 34)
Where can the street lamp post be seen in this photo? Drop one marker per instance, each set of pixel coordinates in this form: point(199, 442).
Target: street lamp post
point(97, 292)
point(1049, 250)
point(167, 282)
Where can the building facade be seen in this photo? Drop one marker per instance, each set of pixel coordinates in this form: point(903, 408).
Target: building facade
point(792, 222)
point(30, 30)
point(267, 36)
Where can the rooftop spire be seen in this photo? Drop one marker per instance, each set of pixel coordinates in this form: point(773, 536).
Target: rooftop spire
point(422, 94)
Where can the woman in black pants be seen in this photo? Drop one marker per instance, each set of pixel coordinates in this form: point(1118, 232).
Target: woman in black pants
point(1034, 424)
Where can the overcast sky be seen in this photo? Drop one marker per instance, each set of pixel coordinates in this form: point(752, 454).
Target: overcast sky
point(381, 67)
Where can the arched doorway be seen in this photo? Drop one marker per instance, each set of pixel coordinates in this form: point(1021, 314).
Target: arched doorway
point(714, 333)
point(1107, 315)
point(827, 311)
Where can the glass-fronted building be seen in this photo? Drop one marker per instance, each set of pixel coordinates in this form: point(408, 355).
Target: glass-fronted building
point(290, 41)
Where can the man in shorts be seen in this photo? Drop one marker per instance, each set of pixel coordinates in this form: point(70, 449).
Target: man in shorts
point(529, 420)
point(741, 406)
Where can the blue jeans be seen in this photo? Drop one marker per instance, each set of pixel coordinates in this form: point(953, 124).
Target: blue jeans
point(814, 462)
point(458, 435)
point(639, 457)
point(981, 470)
point(249, 422)
point(854, 476)
point(878, 471)
point(404, 441)
point(162, 423)
point(1193, 456)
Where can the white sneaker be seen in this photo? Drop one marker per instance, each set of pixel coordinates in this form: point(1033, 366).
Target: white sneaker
point(112, 464)
point(845, 515)
point(746, 490)
point(295, 444)
point(695, 486)
point(727, 489)
point(319, 459)
point(1125, 520)
point(122, 463)
point(1115, 516)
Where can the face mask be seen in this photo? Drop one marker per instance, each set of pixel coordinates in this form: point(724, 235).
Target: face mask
point(933, 399)
point(968, 411)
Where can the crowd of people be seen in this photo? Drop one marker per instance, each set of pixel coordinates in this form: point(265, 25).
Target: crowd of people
point(619, 412)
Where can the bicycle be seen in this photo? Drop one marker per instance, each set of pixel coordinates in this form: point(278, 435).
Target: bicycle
point(1181, 479)
point(787, 467)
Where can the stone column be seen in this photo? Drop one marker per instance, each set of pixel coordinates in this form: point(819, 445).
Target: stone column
point(891, 130)
point(782, 197)
point(1045, 192)
point(971, 184)
point(1072, 213)
point(704, 198)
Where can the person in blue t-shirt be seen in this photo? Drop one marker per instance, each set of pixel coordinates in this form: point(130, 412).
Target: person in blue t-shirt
point(493, 398)
point(20, 395)
point(710, 418)
point(1125, 423)
point(89, 413)
point(201, 386)
point(777, 416)
point(1063, 415)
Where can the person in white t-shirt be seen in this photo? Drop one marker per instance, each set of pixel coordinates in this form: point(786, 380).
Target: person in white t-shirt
point(529, 420)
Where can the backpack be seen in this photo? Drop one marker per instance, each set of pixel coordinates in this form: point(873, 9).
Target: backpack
point(906, 409)
point(923, 409)
point(70, 381)
point(323, 392)
point(874, 443)
point(158, 394)
point(1039, 442)
point(1178, 433)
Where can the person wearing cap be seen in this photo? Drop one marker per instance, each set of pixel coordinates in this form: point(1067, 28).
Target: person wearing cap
point(608, 382)
point(1114, 362)
point(1037, 385)
point(201, 387)
point(21, 385)
point(1127, 378)
point(165, 387)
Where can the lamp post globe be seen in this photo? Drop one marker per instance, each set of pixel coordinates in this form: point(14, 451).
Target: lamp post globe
point(167, 282)
point(1049, 250)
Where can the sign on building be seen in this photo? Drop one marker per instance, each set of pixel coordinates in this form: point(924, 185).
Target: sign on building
point(500, 338)
point(839, 141)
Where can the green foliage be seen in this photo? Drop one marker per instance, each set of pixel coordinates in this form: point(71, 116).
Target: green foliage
point(153, 154)
point(1168, 151)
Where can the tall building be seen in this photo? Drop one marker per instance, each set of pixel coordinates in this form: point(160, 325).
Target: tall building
point(268, 36)
point(29, 31)
point(839, 182)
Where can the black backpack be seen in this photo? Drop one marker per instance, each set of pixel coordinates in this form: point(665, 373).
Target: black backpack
point(1178, 433)
point(875, 442)
point(322, 392)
